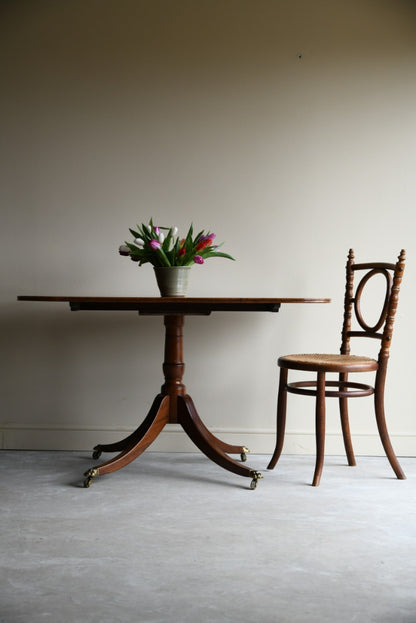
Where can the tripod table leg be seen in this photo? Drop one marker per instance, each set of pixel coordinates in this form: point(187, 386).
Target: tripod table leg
point(192, 424)
point(153, 424)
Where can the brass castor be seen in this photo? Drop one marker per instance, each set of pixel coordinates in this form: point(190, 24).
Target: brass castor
point(90, 475)
point(97, 452)
point(256, 478)
point(244, 453)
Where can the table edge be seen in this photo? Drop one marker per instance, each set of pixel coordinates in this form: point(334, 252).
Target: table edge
point(170, 300)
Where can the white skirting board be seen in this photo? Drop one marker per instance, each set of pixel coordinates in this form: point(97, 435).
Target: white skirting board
point(174, 439)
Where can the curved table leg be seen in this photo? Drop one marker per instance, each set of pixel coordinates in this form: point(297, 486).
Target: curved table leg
point(218, 443)
point(192, 424)
point(121, 445)
point(152, 425)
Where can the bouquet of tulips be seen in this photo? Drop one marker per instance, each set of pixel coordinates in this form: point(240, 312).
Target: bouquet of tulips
point(161, 246)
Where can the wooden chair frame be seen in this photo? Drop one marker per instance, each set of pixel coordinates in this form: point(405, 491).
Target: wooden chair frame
point(344, 364)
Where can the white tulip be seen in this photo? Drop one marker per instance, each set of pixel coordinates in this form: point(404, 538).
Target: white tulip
point(174, 231)
point(161, 237)
point(124, 250)
point(139, 242)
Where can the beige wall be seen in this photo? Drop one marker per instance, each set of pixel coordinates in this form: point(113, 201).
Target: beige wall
point(114, 111)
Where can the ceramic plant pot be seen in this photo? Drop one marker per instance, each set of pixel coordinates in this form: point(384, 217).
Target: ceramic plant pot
point(172, 280)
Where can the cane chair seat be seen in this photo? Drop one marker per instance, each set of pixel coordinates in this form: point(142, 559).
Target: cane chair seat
point(344, 364)
point(324, 362)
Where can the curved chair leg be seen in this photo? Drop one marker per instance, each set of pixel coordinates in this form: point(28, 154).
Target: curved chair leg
point(382, 429)
point(345, 425)
point(281, 418)
point(319, 428)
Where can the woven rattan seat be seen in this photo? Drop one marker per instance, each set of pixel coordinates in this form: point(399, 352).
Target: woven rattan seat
point(345, 363)
point(324, 362)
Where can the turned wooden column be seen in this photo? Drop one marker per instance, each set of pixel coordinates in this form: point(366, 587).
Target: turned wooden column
point(173, 365)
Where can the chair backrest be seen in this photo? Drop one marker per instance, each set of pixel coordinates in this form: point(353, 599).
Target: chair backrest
point(383, 328)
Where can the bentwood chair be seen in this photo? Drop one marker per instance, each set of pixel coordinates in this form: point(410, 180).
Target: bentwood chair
point(345, 364)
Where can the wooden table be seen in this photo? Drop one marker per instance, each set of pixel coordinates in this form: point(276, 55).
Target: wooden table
point(173, 405)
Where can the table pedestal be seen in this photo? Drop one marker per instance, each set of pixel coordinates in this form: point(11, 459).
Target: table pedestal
point(172, 406)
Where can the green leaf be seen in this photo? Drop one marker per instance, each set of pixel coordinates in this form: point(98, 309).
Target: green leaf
point(134, 233)
point(198, 236)
point(134, 250)
point(167, 240)
point(219, 254)
point(147, 231)
point(188, 239)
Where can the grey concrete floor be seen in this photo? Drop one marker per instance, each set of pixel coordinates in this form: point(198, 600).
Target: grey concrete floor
point(174, 538)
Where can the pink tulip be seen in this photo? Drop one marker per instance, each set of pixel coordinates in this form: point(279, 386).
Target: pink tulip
point(155, 244)
point(198, 259)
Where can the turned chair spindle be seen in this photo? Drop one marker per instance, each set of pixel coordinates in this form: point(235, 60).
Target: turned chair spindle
point(345, 363)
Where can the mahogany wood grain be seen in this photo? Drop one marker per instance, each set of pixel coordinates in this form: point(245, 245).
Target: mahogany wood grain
point(173, 305)
point(173, 405)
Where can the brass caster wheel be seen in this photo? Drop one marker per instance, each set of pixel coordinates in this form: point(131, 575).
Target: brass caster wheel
point(97, 453)
point(244, 453)
point(256, 478)
point(90, 475)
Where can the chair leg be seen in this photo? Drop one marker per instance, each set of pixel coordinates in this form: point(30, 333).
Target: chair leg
point(319, 428)
point(382, 429)
point(281, 418)
point(345, 425)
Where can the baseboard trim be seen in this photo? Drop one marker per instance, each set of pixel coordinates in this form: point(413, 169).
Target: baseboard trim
point(173, 439)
